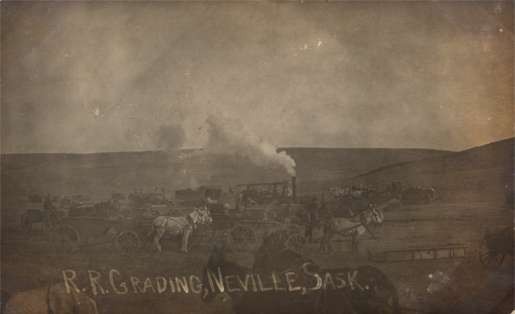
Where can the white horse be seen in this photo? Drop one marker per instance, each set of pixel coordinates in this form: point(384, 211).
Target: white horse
point(351, 227)
point(179, 226)
point(359, 224)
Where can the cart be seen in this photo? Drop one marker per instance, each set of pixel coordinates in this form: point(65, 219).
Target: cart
point(244, 230)
point(74, 234)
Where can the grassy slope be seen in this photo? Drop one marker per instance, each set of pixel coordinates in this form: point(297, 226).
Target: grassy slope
point(478, 173)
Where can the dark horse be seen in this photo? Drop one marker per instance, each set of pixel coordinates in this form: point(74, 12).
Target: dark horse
point(285, 282)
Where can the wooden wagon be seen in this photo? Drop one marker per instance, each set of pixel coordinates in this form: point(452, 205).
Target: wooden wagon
point(244, 215)
point(244, 230)
point(73, 234)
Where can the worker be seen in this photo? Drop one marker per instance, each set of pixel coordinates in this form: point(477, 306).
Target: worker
point(327, 232)
point(311, 218)
point(50, 211)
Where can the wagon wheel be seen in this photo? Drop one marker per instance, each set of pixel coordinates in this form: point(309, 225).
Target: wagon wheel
point(242, 237)
point(128, 242)
point(489, 258)
point(295, 242)
point(68, 239)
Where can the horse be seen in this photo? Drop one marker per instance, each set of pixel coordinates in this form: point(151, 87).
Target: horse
point(353, 227)
point(360, 290)
point(179, 226)
point(53, 299)
point(360, 224)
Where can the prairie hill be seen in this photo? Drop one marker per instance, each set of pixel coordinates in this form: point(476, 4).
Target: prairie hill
point(479, 173)
point(101, 174)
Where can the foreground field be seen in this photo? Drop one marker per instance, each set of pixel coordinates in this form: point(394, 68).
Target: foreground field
point(29, 262)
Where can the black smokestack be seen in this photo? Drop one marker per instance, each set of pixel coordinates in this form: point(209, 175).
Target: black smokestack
point(294, 188)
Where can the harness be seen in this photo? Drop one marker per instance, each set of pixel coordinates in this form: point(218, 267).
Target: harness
point(190, 221)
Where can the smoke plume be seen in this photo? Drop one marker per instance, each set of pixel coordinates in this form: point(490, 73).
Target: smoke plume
point(229, 136)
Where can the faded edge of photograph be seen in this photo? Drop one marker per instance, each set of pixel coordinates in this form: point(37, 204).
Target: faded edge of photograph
point(257, 157)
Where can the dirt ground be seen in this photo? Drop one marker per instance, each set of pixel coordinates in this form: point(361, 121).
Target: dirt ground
point(30, 261)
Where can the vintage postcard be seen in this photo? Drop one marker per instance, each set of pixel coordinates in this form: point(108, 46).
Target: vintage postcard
point(257, 157)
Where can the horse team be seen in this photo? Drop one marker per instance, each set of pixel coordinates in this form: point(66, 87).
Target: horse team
point(182, 227)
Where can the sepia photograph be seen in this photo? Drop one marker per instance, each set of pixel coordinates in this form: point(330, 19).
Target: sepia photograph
point(257, 157)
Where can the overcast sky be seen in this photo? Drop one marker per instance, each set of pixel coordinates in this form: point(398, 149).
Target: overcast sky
point(90, 77)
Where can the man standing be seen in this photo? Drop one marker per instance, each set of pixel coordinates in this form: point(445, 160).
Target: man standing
point(327, 232)
point(50, 212)
point(311, 217)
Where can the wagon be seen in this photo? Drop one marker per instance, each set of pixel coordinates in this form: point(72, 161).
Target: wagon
point(243, 230)
point(73, 234)
point(244, 215)
point(348, 206)
point(37, 216)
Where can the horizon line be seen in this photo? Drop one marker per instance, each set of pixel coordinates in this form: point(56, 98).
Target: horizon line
point(281, 147)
